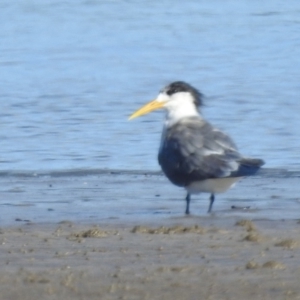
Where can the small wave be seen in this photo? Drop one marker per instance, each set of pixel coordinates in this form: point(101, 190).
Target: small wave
point(264, 172)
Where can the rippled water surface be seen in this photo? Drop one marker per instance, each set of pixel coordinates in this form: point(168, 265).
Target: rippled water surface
point(72, 72)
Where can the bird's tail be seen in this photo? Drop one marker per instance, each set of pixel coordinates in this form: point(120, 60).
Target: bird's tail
point(248, 166)
point(252, 162)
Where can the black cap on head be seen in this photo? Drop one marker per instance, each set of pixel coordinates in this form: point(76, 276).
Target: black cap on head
point(181, 86)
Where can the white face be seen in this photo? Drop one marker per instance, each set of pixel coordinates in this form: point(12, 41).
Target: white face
point(178, 105)
point(163, 97)
point(177, 99)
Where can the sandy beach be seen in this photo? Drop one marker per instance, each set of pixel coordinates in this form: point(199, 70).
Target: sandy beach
point(57, 248)
point(76, 222)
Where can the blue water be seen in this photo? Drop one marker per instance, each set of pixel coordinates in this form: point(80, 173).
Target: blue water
point(71, 72)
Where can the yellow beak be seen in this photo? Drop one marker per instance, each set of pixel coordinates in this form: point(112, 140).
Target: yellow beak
point(153, 105)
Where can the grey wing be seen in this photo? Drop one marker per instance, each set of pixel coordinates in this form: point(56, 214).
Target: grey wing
point(194, 150)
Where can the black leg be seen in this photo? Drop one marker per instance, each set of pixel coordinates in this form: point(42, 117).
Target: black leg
point(211, 199)
point(188, 200)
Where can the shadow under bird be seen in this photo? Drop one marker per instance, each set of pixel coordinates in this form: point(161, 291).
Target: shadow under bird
point(194, 154)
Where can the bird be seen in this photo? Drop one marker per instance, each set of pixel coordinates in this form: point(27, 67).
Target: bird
point(194, 154)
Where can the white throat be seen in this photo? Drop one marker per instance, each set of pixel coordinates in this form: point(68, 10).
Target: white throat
point(180, 106)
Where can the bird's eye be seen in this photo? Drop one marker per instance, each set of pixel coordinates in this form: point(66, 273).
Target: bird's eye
point(172, 91)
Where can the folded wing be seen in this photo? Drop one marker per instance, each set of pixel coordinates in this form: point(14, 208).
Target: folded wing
point(193, 150)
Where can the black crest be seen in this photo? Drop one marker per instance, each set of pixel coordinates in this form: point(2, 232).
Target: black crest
point(181, 86)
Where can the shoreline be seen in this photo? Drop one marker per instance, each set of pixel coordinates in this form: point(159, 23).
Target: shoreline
point(264, 172)
point(121, 197)
point(125, 236)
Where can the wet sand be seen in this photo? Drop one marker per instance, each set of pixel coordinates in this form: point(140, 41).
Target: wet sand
point(144, 249)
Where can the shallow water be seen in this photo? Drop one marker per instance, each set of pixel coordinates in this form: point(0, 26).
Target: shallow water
point(105, 197)
point(72, 72)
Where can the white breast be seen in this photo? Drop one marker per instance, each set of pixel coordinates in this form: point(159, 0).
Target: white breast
point(213, 186)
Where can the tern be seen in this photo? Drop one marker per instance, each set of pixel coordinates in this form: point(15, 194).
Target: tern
point(194, 154)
